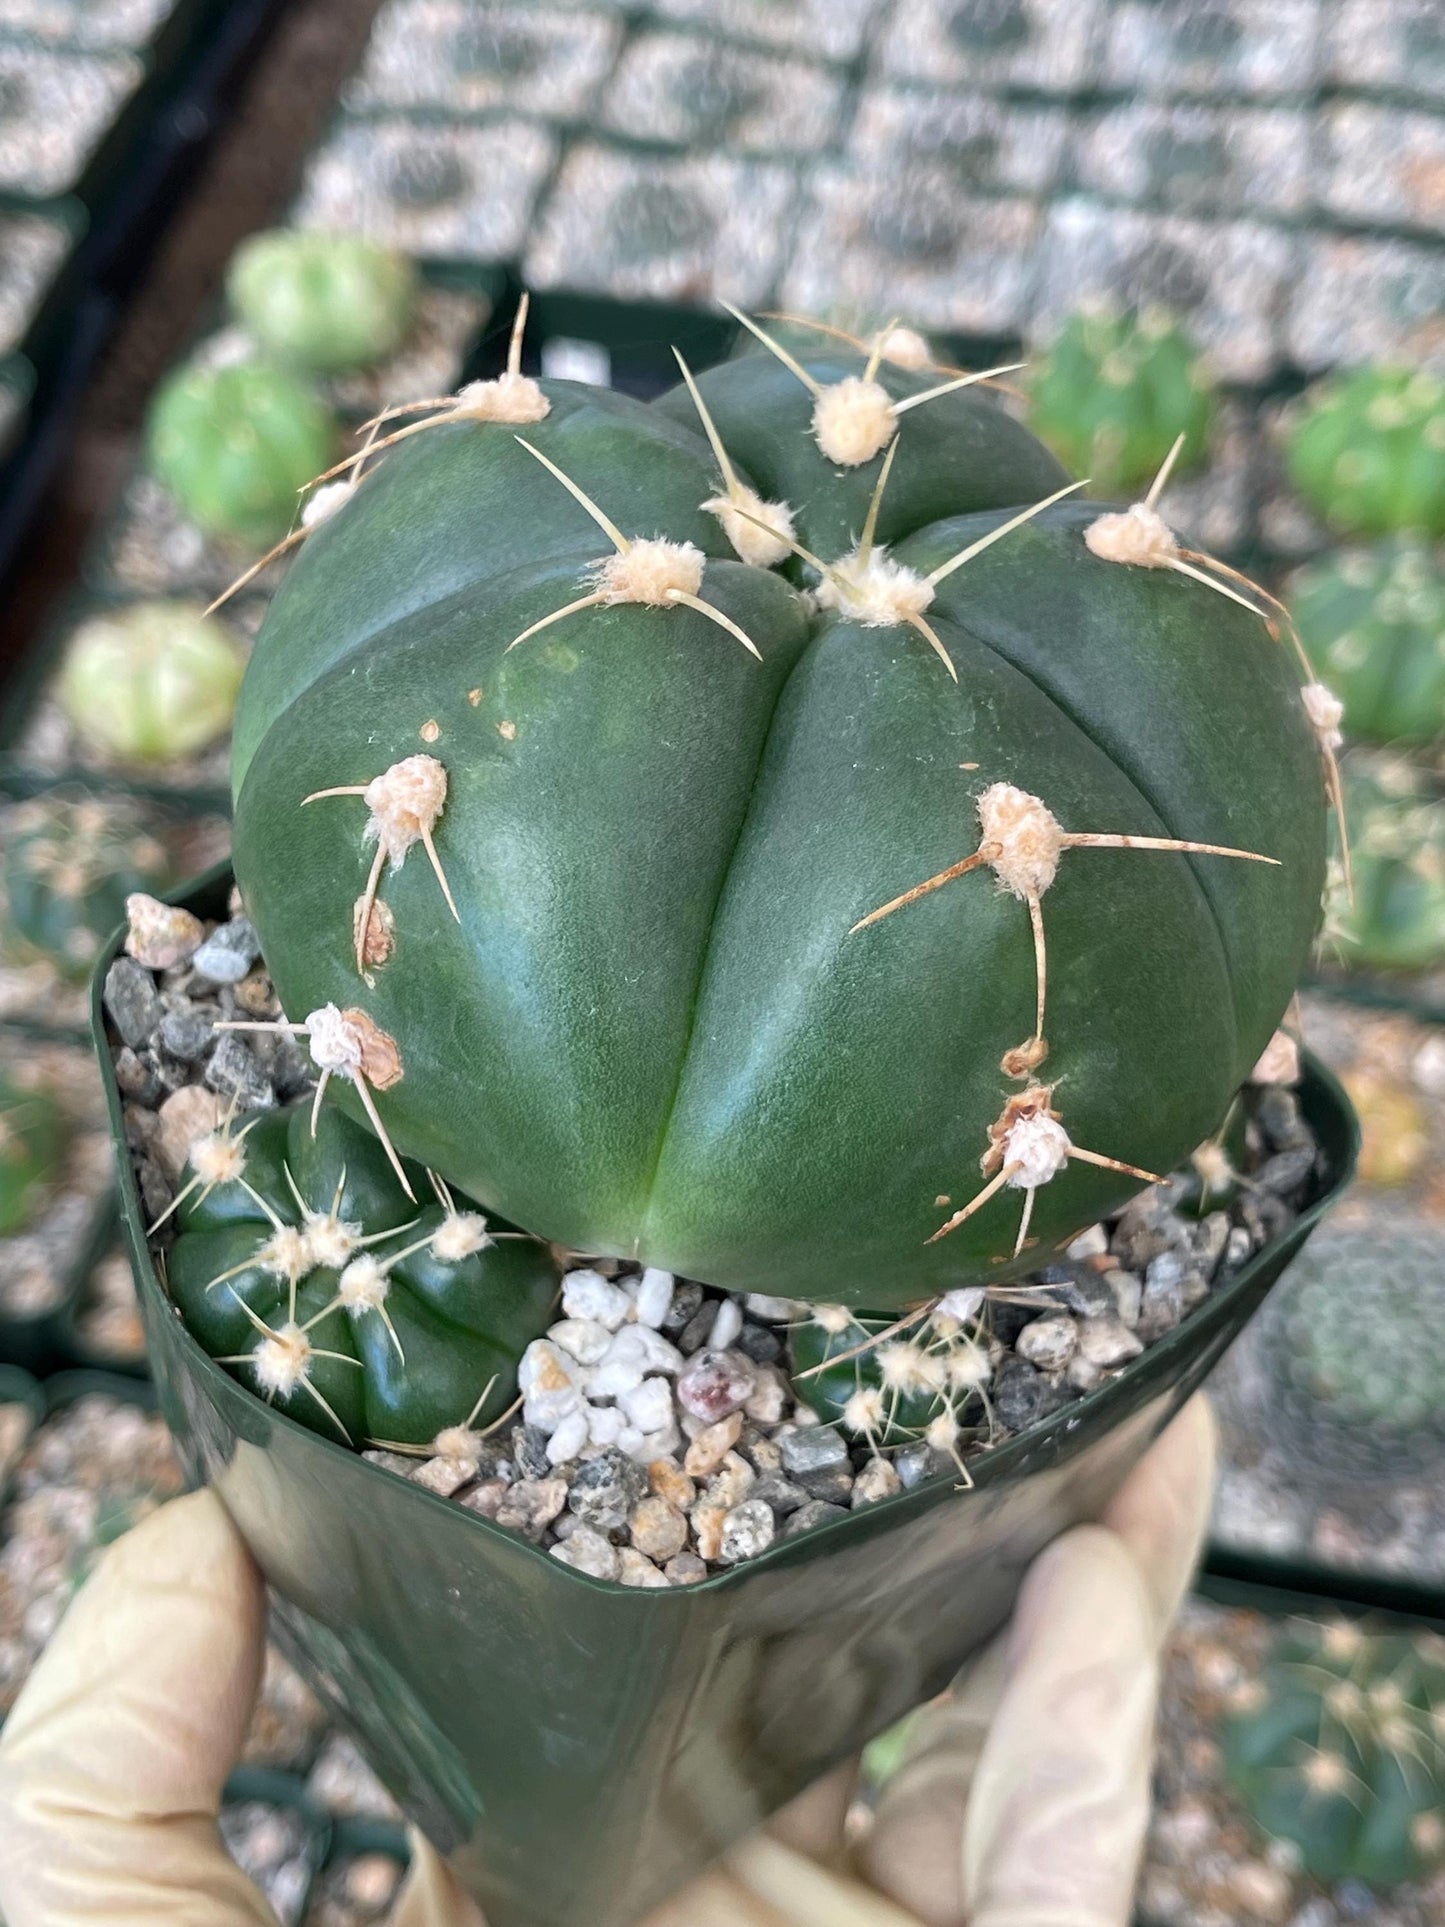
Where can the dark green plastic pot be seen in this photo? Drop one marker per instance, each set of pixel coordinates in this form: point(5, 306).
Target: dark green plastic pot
point(580, 1749)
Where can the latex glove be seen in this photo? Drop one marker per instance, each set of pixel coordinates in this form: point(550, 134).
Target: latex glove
point(1022, 1802)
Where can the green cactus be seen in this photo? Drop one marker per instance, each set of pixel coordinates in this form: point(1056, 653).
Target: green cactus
point(304, 1264)
point(889, 1382)
point(641, 990)
point(1368, 452)
point(1358, 1338)
point(1114, 393)
point(235, 445)
point(68, 865)
point(150, 682)
point(1374, 622)
point(1397, 835)
point(32, 1151)
point(1339, 1748)
point(322, 302)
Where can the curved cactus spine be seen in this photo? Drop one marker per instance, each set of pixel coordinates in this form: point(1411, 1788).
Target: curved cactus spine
point(1339, 1748)
point(720, 1107)
point(306, 1265)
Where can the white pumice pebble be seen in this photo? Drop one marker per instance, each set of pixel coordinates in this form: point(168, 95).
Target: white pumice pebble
point(551, 1385)
point(587, 1294)
point(605, 1424)
point(962, 1305)
point(584, 1339)
point(1092, 1243)
point(569, 1438)
point(772, 1311)
point(726, 1326)
point(654, 1297)
point(649, 1405)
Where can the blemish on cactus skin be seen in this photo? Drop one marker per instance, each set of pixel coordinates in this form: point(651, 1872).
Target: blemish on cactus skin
point(430, 732)
point(507, 731)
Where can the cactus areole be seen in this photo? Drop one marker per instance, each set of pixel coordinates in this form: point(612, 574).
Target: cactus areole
point(592, 757)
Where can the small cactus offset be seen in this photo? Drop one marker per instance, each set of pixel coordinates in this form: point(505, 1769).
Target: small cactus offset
point(1397, 827)
point(150, 683)
point(916, 1378)
point(369, 1303)
point(1115, 392)
point(610, 781)
point(1339, 1749)
point(323, 303)
point(32, 1148)
point(68, 864)
point(1367, 452)
point(1374, 622)
point(234, 445)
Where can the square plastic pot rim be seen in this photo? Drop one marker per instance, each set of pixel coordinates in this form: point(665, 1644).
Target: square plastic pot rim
point(997, 1465)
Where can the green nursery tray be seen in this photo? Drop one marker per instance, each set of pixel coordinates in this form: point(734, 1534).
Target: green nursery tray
point(579, 1749)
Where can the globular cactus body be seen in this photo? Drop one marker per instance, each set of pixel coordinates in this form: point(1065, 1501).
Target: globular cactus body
point(68, 865)
point(1397, 827)
point(1368, 452)
point(322, 302)
point(151, 682)
point(306, 1267)
point(1114, 392)
point(914, 1379)
point(1339, 1748)
point(636, 988)
point(234, 446)
point(1374, 622)
point(32, 1143)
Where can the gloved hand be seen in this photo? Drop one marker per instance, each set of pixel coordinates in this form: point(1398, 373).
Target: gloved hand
point(1022, 1801)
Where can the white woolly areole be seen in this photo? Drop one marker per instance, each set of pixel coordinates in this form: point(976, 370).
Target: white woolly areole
point(458, 1444)
point(287, 1253)
point(833, 1319)
point(1279, 1061)
point(461, 1234)
point(740, 514)
point(327, 501)
point(282, 1360)
point(507, 398)
point(218, 1159)
point(1039, 1147)
point(1137, 535)
point(969, 1367)
point(942, 1432)
point(363, 1286)
point(864, 1410)
point(405, 802)
point(1022, 839)
point(334, 1041)
point(331, 1242)
point(652, 570)
point(1326, 712)
point(909, 1370)
point(853, 421)
point(906, 348)
point(878, 593)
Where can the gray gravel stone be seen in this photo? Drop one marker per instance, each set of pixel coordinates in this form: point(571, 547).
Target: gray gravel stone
point(1107, 1342)
point(757, 1342)
point(1128, 1294)
point(531, 1505)
point(779, 1493)
point(234, 1072)
point(228, 953)
point(605, 1489)
point(685, 1306)
point(815, 1513)
point(529, 1449)
point(131, 1002)
point(811, 1450)
point(588, 1552)
point(748, 1529)
point(1022, 1396)
point(1049, 1342)
point(187, 1033)
point(1079, 1289)
point(1286, 1172)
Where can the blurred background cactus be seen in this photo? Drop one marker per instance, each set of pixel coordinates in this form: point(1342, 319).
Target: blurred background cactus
point(1367, 452)
point(235, 445)
point(151, 682)
point(1373, 620)
point(32, 1151)
point(1397, 828)
point(322, 303)
point(1338, 1747)
point(68, 865)
point(1112, 394)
